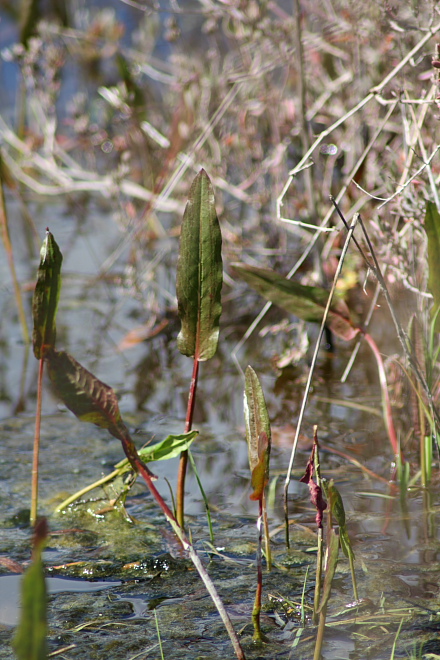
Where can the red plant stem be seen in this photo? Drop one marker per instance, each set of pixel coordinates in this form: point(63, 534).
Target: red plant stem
point(266, 534)
point(180, 494)
point(257, 603)
point(137, 464)
point(387, 412)
point(192, 396)
point(34, 493)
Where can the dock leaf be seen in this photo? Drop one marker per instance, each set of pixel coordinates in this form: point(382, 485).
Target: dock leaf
point(46, 296)
point(199, 273)
point(306, 302)
point(258, 432)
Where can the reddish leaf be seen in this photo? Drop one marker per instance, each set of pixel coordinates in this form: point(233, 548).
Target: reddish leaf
point(306, 302)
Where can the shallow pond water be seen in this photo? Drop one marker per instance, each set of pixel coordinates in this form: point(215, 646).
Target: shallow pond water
point(116, 575)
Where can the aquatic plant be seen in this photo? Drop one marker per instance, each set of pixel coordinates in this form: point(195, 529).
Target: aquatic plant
point(326, 563)
point(258, 437)
point(93, 401)
point(198, 287)
point(119, 142)
point(44, 311)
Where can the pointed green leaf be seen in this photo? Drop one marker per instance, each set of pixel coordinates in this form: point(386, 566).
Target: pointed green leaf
point(46, 296)
point(86, 396)
point(30, 638)
point(336, 503)
point(432, 228)
point(338, 512)
point(306, 302)
point(346, 543)
point(258, 432)
point(199, 273)
point(171, 447)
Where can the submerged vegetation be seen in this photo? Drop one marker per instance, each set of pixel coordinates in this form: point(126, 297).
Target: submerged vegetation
point(315, 126)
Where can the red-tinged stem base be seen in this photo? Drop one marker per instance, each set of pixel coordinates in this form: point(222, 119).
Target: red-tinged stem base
point(180, 494)
point(34, 492)
point(135, 461)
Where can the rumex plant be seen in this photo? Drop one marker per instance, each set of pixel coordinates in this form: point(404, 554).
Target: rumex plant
point(258, 436)
point(198, 287)
point(93, 401)
point(44, 310)
point(326, 562)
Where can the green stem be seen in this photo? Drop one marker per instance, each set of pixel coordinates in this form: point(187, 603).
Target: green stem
point(87, 489)
point(34, 493)
point(318, 581)
point(320, 634)
point(205, 499)
point(353, 577)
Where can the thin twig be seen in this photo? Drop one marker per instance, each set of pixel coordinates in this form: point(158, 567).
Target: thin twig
point(311, 371)
point(426, 164)
point(403, 337)
point(375, 91)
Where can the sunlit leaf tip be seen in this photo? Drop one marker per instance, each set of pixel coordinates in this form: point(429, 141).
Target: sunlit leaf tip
point(258, 432)
point(199, 272)
point(46, 296)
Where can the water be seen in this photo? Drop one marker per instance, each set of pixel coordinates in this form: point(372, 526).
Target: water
point(10, 593)
point(111, 287)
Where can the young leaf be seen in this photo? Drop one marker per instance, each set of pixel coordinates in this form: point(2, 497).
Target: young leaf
point(336, 503)
point(46, 296)
point(258, 433)
point(171, 447)
point(30, 639)
point(306, 302)
point(199, 273)
point(338, 512)
point(432, 228)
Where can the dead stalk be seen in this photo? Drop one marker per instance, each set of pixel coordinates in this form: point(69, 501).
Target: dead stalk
point(311, 370)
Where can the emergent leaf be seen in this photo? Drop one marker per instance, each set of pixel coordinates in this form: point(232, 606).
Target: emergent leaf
point(171, 447)
point(432, 228)
point(258, 432)
point(338, 512)
point(46, 296)
point(199, 273)
point(30, 638)
point(306, 302)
